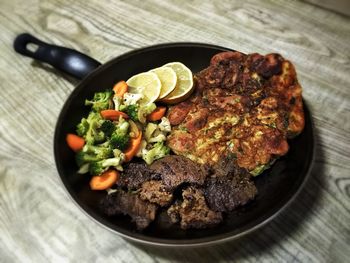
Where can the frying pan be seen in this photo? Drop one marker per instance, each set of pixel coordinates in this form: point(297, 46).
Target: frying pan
point(277, 186)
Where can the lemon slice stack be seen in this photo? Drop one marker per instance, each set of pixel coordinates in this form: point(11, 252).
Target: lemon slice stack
point(170, 84)
point(147, 84)
point(184, 84)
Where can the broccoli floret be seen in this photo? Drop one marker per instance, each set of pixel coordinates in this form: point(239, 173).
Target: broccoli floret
point(131, 111)
point(147, 109)
point(82, 158)
point(82, 127)
point(120, 137)
point(94, 134)
point(107, 127)
point(100, 151)
point(97, 155)
point(144, 110)
point(96, 168)
point(99, 167)
point(101, 101)
point(158, 151)
point(120, 141)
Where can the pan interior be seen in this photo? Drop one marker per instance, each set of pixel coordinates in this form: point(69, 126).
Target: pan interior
point(276, 187)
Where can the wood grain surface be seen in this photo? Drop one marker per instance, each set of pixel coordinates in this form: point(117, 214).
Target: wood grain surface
point(38, 221)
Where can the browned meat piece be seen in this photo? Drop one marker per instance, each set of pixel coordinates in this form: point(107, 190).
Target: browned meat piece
point(121, 202)
point(225, 194)
point(193, 211)
point(175, 170)
point(155, 192)
point(245, 105)
point(135, 174)
point(229, 186)
point(266, 66)
point(226, 56)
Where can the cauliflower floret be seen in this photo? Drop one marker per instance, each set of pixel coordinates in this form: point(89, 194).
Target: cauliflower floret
point(150, 129)
point(131, 98)
point(119, 153)
point(164, 125)
point(117, 102)
point(159, 138)
point(142, 148)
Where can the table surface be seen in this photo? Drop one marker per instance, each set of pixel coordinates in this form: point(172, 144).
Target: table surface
point(38, 221)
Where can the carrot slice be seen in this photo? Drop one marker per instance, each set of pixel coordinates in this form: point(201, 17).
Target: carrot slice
point(105, 180)
point(113, 115)
point(157, 114)
point(75, 142)
point(133, 148)
point(120, 88)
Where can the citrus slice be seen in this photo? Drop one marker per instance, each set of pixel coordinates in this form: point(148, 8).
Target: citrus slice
point(147, 84)
point(184, 84)
point(168, 79)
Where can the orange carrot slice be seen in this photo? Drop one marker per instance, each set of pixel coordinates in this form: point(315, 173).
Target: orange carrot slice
point(75, 142)
point(157, 114)
point(113, 115)
point(105, 180)
point(133, 148)
point(120, 88)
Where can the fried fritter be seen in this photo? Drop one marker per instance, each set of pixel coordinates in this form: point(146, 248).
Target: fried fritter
point(243, 105)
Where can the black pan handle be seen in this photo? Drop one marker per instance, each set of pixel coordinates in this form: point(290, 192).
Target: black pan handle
point(67, 60)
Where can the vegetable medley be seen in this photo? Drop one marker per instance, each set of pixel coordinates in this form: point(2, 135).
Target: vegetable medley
point(117, 129)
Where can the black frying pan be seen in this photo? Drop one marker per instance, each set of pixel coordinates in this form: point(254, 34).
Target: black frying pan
point(277, 187)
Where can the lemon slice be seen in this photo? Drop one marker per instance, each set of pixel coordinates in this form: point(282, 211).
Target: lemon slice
point(184, 84)
point(168, 79)
point(147, 84)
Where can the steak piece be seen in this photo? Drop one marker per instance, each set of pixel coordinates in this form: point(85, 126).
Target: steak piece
point(229, 186)
point(225, 195)
point(246, 105)
point(121, 202)
point(155, 192)
point(175, 170)
point(193, 211)
point(135, 174)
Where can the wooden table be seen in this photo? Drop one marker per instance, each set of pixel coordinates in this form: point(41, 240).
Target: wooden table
point(38, 221)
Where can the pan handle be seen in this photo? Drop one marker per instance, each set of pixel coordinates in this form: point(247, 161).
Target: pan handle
point(67, 60)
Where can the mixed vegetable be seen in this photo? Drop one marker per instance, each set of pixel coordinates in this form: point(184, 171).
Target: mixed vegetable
point(117, 129)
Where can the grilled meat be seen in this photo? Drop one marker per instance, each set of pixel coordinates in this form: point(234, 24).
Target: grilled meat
point(121, 202)
point(155, 192)
point(228, 186)
point(193, 211)
point(243, 105)
point(175, 170)
point(225, 194)
point(135, 174)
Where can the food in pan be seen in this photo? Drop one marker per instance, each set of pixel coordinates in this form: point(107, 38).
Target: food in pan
point(189, 147)
point(243, 105)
